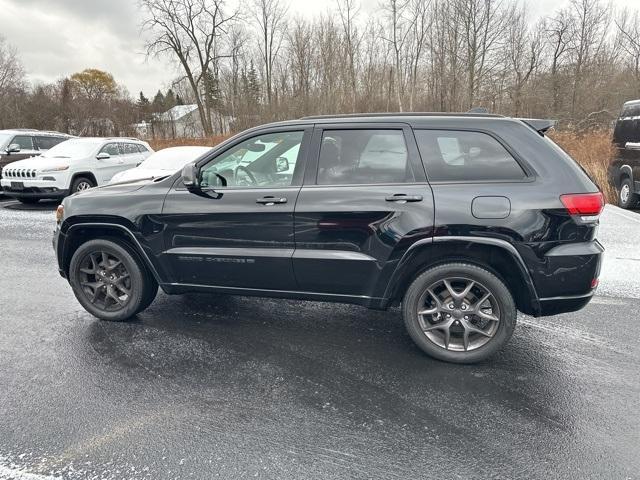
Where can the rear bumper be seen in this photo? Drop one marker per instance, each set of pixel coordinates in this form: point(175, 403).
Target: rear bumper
point(567, 278)
point(557, 305)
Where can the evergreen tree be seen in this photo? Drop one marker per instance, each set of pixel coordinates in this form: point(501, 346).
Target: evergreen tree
point(158, 103)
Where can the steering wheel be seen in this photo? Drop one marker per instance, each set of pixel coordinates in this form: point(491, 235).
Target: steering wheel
point(254, 182)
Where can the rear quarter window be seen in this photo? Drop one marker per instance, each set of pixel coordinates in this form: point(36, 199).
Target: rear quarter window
point(461, 156)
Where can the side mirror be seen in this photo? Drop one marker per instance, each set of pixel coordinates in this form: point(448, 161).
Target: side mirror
point(13, 148)
point(190, 173)
point(103, 156)
point(282, 164)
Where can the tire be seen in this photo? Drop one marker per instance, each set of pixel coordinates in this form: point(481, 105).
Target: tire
point(81, 183)
point(626, 197)
point(102, 270)
point(29, 201)
point(428, 329)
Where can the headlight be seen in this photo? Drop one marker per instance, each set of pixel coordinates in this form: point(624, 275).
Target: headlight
point(59, 213)
point(55, 169)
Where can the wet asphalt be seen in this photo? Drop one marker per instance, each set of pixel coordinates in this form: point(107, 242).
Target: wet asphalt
point(203, 386)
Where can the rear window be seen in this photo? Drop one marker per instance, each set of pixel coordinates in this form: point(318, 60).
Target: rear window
point(457, 156)
point(45, 143)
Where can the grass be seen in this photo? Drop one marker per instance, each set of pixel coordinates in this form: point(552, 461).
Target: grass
point(593, 150)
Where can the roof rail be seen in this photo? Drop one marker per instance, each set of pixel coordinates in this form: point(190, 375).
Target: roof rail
point(402, 114)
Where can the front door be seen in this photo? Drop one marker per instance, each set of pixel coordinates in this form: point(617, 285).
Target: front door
point(237, 230)
point(106, 168)
point(363, 204)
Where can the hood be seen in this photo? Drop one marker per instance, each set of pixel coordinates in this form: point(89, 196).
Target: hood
point(140, 174)
point(36, 162)
point(115, 188)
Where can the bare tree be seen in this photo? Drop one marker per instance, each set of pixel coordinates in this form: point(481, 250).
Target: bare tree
point(348, 10)
point(11, 71)
point(191, 31)
point(399, 29)
point(628, 26)
point(524, 48)
point(271, 21)
point(559, 30)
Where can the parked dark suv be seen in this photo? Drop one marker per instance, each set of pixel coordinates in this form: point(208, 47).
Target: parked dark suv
point(624, 170)
point(461, 219)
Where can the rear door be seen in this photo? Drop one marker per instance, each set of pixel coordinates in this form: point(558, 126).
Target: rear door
point(237, 231)
point(364, 201)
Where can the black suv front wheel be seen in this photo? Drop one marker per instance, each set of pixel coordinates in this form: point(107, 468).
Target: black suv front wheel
point(459, 312)
point(110, 281)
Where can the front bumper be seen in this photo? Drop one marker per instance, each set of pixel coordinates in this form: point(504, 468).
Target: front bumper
point(34, 188)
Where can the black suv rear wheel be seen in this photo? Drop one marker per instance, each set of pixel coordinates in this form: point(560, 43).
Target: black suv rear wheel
point(459, 313)
point(626, 196)
point(110, 280)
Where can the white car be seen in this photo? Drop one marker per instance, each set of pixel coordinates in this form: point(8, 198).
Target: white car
point(162, 163)
point(72, 166)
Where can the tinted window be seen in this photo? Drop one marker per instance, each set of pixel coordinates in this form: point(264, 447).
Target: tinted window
point(363, 157)
point(130, 148)
point(45, 143)
point(451, 156)
point(25, 142)
point(141, 148)
point(264, 161)
point(111, 148)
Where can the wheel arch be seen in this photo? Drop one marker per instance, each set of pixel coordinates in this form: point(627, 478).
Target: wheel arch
point(498, 256)
point(80, 233)
point(85, 174)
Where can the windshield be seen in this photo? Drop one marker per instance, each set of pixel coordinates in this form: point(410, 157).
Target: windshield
point(4, 139)
point(72, 149)
point(172, 158)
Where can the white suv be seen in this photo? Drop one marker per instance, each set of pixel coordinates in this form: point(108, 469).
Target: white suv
point(71, 166)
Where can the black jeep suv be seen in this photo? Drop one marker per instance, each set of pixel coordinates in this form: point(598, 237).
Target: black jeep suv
point(624, 170)
point(463, 219)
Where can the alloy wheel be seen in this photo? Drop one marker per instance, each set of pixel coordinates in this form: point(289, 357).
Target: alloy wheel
point(105, 281)
point(458, 314)
point(625, 192)
point(83, 186)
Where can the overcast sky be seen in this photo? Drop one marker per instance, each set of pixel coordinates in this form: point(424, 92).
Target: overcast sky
point(56, 38)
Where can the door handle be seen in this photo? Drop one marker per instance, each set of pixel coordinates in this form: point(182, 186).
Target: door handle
point(271, 200)
point(401, 197)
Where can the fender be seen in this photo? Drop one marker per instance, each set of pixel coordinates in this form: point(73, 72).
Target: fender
point(625, 168)
point(496, 242)
point(128, 233)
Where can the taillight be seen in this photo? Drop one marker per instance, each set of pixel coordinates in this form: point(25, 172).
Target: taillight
point(587, 205)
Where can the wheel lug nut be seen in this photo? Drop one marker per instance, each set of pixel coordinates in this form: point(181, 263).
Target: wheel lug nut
point(466, 317)
point(451, 306)
point(464, 307)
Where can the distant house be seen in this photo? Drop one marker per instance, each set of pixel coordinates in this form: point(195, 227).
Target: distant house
point(184, 121)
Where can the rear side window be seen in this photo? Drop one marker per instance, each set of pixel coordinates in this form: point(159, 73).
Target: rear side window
point(141, 148)
point(363, 157)
point(130, 148)
point(45, 143)
point(456, 156)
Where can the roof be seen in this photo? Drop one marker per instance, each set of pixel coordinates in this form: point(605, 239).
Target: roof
point(17, 131)
point(177, 112)
point(416, 120)
point(402, 114)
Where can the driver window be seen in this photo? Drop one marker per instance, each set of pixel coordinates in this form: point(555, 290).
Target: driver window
point(264, 161)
